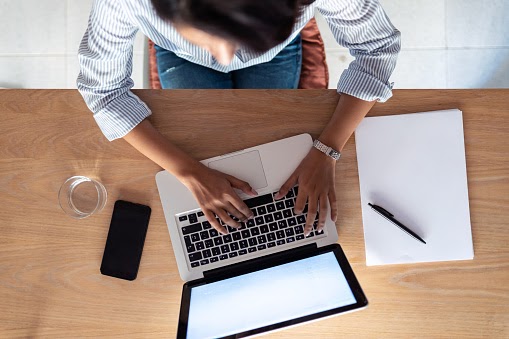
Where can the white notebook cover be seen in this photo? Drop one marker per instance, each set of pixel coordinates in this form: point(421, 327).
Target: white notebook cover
point(413, 165)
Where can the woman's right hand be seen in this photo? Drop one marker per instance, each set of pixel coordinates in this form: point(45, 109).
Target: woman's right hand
point(215, 194)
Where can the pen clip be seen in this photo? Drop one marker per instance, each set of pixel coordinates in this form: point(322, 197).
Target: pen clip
point(381, 210)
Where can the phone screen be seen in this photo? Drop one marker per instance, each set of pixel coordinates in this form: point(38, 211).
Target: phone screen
point(124, 245)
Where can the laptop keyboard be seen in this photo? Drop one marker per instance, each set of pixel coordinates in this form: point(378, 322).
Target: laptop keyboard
point(274, 224)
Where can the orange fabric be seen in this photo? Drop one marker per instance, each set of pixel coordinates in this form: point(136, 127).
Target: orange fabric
point(314, 72)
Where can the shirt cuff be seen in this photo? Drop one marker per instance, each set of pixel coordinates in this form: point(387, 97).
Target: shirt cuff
point(120, 116)
point(364, 86)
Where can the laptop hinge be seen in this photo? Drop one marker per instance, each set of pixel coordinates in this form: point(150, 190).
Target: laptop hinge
point(260, 263)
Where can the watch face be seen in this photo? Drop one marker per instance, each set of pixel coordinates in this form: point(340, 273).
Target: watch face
point(334, 154)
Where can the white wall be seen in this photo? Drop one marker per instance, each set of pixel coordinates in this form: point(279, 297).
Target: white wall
point(446, 44)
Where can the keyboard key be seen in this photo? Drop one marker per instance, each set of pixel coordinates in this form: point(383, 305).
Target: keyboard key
point(299, 237)
point(227, 238)
point(290, 194)
point(236, 236)
point(207, 253)
point(195, 264)
point(191, 228)
point(223, 256)
point(271, 208)
point(187, 239)
point(299, 229)
point(200, 214)
point(259, 200)
point(193, 218)
point(204, 262)
point(213, 233)
point(242, 252)
point(204, 235)
point(183, 218)
point(301, 219)
point(280, 234)
point(199, 245)
point(271, 237)
point(280, 205)
point(254, 212)
point(292, 222)
point(206, 225)
point(261, 247)
point(311, 234)
point(234, 246)
point(252, 242)
point(289, 203)
point(271, 244)
point(225, 249)
point(209, 243)
point(190, 248)
point(232, 254)
point(287, 213)
point(250, 223)
point(278, 215)
point(195, 256)
point(218, 241)
point(268, 218)
point(251, 249)
point(261, 210)
point(216, 251)
point(296, 190)
point(262, 239)
point(319, 232)
point(245, 234)
point(264, 229)
point(273, 226)
point(289, 240)
point(282, 224)
point(289, 232)
point(243, 243)
point(195, 237)
point(255, 231)
point(214, 259)
point(280, 242)
point(231, 229)
point(259, 221)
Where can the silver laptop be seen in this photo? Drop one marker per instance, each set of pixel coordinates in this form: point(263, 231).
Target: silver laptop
point(199, 248)
point(266, 275)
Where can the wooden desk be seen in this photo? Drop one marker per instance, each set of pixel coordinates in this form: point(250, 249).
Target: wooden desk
point(50, 285)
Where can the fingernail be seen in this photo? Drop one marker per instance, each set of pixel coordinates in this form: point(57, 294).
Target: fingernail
point(297, 212)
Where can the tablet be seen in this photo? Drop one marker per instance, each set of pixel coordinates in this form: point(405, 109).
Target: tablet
point(259, 297)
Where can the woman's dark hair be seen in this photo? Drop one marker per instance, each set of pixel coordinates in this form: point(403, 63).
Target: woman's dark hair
point(255, 24)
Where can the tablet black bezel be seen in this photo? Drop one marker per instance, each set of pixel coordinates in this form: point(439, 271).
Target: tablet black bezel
point(271, 261)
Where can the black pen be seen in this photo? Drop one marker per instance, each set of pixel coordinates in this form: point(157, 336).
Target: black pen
point(387, 215)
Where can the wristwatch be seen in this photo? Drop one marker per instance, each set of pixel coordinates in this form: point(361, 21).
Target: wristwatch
point(327, 150)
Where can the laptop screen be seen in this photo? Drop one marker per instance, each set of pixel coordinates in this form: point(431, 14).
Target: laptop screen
point(269, 296)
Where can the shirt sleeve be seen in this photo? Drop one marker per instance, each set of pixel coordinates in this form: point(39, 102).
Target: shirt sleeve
point(363, 27)
point(105, 57)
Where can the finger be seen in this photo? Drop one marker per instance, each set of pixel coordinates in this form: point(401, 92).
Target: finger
point(323, 211)
point(235, 213)
point(333, 205)
point(312, 209)
point(241, 185)
point(240, 206)
point(211, 217)
point(292, 181)
point(221, 213)
point(300, 201)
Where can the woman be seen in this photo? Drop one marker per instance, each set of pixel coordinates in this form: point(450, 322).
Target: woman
point(233, 44)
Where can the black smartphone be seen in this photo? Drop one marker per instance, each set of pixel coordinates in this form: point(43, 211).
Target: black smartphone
point(124, 245)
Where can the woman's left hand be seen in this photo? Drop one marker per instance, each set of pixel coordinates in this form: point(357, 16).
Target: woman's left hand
point(315, 177)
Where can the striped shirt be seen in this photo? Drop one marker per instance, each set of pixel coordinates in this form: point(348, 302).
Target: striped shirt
point(106, 52)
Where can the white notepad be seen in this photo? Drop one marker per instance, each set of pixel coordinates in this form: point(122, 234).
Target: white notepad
point(413, 165)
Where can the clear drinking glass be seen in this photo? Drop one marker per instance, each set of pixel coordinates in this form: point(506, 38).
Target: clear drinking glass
point(80, 196)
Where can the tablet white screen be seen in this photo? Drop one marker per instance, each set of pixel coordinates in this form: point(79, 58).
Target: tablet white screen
point(267, 297)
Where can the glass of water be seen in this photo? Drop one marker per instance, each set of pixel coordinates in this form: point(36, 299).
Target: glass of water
point(80, 197)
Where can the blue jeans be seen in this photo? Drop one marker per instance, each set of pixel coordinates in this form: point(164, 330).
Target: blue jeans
point(283, 71)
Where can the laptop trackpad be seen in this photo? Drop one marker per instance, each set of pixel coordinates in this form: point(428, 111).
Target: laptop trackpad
point(245, 166)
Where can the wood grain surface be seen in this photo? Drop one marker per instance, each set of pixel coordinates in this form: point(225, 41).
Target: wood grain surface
point(50, 284)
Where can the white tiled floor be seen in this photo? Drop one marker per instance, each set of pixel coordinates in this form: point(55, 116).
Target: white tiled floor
point(445, 44)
